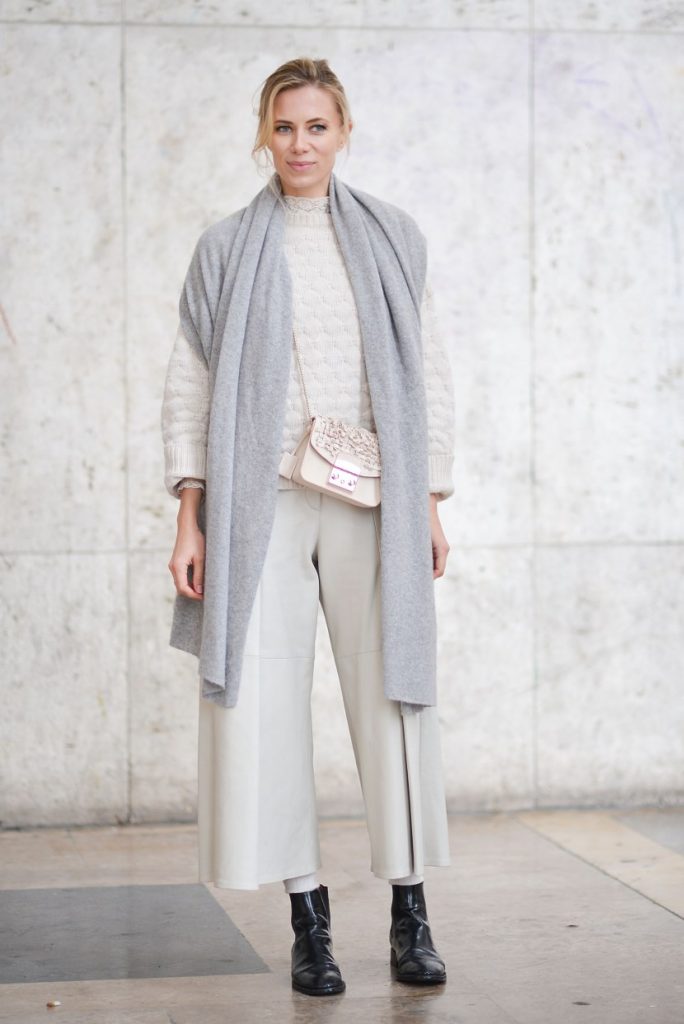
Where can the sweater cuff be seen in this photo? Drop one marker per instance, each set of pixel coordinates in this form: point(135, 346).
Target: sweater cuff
point(440, 475)
point(181, 460)
point(190, 460)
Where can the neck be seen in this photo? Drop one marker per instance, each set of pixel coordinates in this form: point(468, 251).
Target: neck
point(312, 193)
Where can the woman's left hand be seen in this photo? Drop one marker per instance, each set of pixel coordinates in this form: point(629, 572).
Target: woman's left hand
point(440, 547)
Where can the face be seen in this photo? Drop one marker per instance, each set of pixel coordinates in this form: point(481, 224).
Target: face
point(307, 136)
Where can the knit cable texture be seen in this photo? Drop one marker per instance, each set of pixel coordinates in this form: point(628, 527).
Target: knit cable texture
point(330, 348)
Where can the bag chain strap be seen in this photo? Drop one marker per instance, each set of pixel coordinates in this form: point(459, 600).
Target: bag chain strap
point(301, 375)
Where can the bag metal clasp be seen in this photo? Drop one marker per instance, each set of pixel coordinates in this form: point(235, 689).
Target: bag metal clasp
point(344, 474)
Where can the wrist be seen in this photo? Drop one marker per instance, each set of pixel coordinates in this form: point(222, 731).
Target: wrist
point(190, 498)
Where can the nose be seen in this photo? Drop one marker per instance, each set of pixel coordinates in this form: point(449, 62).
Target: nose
point(299, 143)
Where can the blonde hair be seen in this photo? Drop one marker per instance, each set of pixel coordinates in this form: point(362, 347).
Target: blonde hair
point(292, 75)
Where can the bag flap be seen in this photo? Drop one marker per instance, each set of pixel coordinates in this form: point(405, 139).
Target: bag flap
point(331, 437)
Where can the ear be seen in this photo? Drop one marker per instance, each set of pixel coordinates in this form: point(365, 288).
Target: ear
point(345, 139)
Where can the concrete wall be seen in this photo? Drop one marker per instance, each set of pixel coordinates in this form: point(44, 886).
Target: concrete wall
point(541, 149)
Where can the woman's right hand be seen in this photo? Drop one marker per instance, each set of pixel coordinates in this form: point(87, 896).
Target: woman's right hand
point(189, 548)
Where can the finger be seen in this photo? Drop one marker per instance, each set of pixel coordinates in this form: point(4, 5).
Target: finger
point(189, 578)
point(440, 560)
point(182, 582)
point(198, 575)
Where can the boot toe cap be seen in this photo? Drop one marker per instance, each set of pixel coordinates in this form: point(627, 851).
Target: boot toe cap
point(419, 970)
point(322, 983)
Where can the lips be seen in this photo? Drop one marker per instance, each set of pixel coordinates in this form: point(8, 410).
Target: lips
point(301, 166)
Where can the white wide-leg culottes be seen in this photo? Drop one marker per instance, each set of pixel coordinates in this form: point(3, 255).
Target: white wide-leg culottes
point(257, 816)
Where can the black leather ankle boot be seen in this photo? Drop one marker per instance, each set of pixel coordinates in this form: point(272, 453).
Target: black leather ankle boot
point(413, 957)
point(314, 969)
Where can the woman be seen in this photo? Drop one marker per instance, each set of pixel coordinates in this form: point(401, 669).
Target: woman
point(311, 300)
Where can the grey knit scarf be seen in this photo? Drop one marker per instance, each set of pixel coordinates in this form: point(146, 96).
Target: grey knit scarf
point(236, 310)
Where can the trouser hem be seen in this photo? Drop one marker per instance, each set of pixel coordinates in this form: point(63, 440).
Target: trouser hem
point(386, 873)
point(251, 885)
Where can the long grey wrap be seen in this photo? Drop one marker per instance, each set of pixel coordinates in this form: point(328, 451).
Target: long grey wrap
point(236, 310)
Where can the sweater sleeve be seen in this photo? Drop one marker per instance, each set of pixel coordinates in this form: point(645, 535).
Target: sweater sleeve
point(185, 416)
point(439, 394)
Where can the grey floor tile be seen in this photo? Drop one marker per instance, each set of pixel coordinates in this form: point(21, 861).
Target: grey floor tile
point(121, 931)
point(665, 825)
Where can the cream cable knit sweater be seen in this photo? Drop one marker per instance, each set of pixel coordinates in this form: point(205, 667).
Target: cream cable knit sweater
point(329, 341)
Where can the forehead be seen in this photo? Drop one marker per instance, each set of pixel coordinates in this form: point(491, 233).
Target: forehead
point(305, 101)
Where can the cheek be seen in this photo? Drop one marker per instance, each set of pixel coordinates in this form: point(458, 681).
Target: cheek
point(278, 147)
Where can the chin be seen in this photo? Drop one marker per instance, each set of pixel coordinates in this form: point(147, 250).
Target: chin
point(303, 181)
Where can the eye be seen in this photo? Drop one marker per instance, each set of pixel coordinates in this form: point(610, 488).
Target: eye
point(279, 126)
point(323, 126)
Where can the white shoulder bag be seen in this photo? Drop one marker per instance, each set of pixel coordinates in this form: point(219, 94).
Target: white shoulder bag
point(335, 457)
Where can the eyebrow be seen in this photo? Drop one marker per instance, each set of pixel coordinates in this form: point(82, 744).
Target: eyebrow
point(281, 120)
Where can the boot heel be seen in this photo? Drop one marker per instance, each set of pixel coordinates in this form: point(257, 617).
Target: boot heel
point(393, 964)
